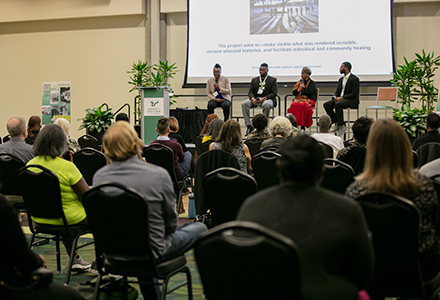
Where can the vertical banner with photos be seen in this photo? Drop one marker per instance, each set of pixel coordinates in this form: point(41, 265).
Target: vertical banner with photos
point(55, 102)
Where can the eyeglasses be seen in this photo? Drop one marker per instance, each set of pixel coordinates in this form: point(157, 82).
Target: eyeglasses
point(216, 72)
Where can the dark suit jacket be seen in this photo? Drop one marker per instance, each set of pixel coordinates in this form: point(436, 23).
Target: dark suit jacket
point(329, 229)
point(351, 88)
point(270, 90)
point(430, 137)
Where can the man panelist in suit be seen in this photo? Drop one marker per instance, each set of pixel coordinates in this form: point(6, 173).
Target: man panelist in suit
point(262, 92)
point(218, 90)
point(346, 95)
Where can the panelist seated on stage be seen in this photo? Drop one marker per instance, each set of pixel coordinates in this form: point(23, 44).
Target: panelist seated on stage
point(346, 95)
point(304, 103)
point(218, 90)
point(262, 93)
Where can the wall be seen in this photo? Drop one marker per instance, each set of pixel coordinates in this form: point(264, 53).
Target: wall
point(92, 44)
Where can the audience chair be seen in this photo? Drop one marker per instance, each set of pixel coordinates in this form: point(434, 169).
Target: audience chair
point(225, 191)
point(265, 169)
point(337, 175)
point(395, 226)
point(88, 161)
point(126, 217)
point(415, 159)
point(207, 162)
point(163, 156)
point(89, 141)
point(42, 196)
point(384, 94)
point(9, 188)
point(327, 149)
point(205, 146)
point(198, 144)
point(244, 260)
point(6, 138)
point(254, 145)
point(436, 182)
point(428, 152)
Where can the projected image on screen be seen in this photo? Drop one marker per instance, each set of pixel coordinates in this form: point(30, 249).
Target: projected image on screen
point(283, 16)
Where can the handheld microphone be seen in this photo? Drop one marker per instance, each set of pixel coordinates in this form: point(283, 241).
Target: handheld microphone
point(216, 81)
point(302, 81)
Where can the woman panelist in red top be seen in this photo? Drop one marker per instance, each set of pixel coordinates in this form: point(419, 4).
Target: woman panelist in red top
point(304, 103)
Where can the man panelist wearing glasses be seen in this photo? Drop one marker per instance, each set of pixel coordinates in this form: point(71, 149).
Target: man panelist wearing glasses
point(218, 90)
point(262, 93)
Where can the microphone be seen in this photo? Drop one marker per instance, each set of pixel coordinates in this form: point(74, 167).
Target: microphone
point(216, 81)
point(302, 81)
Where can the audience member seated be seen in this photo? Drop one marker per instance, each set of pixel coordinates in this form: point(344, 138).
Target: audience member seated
point(122, 148)
point(432, 135)
point(329, 229)
point(34, 126)
point(18, 262)
point(71, 143)
point(229, 140)
point(259, 123)
point(174, 136)
point(279, 129)
point(389, 168)
point(354, 155)
point(49, 145)
point(208, 120)
point(122, 117)
point(182, 161)
point(324, 124)
point(304, 103)
point(213, 130)
point(16, 145)
point(295, 130)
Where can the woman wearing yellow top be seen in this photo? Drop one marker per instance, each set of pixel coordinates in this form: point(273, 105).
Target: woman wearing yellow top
point(49, 145)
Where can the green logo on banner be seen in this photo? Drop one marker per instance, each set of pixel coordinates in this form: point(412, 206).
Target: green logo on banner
point(153, 104)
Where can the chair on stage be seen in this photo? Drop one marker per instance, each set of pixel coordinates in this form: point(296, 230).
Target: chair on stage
point(384, 94)
point(122, 238)
point(245, 260)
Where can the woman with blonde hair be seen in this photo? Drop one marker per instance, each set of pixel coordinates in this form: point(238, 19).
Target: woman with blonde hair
point(389, 168)
point(229, 140)
point(34, 126)
point(71, 143)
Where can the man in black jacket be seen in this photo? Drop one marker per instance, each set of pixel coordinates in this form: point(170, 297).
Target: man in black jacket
point(262, 92)
point(346, 95)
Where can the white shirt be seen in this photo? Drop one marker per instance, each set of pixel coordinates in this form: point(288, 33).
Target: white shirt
point(330, 139)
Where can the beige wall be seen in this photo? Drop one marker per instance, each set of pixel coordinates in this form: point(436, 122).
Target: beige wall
point(93, 44)
point(93, 53)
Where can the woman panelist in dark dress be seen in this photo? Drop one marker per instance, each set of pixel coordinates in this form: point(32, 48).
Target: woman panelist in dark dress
point(304, 103)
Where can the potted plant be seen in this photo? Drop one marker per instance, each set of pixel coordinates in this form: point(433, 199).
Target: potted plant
point(96, 121)
point(414, 80)
point(157, 75)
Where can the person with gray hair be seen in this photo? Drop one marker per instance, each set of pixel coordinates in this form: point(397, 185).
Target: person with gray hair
point(304, 103)
point(16, 127)
point(71, 143)
point(325, 137)
point(280, 129)
point(213, 130)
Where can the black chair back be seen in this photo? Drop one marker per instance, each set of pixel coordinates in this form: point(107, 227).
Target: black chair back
point(327, 149)
point(265, 169)
point(337, 175)
point(415, 159)
point(254, 145)
point(9, 166)
point(428, 152)
point(126, 217)
point(394, 223)
point(88, 141)
point(88, 161)
point(162, 156)
point(205, 146)
point(207, 162)
point(244, 260)
point(6, 138)
point(225, 191)
point(198, 144)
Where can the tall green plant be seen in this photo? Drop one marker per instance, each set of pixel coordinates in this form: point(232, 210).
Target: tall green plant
point(404, 80)
point(424, 76)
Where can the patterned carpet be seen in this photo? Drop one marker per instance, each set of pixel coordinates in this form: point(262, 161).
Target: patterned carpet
point(88, 254)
